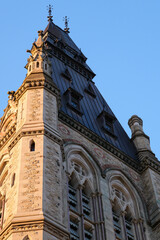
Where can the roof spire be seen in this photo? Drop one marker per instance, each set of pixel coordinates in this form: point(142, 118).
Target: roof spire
point(50, 8)
point(66, 20)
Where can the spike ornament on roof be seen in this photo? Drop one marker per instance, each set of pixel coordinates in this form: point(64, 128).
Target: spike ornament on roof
point(50, 8)
point(66, 20)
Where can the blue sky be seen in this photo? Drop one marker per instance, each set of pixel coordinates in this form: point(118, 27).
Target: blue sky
point(120, 38)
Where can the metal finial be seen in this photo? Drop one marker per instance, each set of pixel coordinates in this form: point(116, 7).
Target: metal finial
point(50, 8)
point(66, 20)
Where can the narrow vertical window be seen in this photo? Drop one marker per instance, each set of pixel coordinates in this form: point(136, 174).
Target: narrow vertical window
point(86, 205)
point(32, 146)
point(2, 203)
point(129, 228)
point(122, 217)
point(72, 197)
point(81, 225)
point(13, 179)
point(117, 225)
point(72, 200)
point(37, 64)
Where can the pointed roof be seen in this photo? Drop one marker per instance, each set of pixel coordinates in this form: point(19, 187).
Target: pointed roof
point(62, 36)
point(95, 115)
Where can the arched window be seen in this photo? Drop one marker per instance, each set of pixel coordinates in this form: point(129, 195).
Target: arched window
point(126, 211)
point(26, 238)
point(37, 64)
point(32, 146)
point(80, 205)
point(84, 196)
point(122, 217)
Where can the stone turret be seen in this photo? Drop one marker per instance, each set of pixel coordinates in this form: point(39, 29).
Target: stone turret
point(39, 59)
point(140, 139)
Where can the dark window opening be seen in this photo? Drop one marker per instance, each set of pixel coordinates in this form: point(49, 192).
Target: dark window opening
point(129, 231)
point(74, 229)
point(106, 122)
point(13, 180)
point(72, 198)
point(37, 64)
point(88, 234)
point(73, 99)
point(66, 74)
point(117, 226)
point(86, 206)
point(2, 206)
point(45, 66)
point(32, 146)
point(90, 90)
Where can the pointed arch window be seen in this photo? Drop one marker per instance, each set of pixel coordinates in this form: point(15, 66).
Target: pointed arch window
point(122, 216)
point(32, 146)
point(84, 200)
point(80, 204)
point(81, 225)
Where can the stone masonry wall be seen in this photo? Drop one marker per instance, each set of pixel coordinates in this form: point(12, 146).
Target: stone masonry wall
point(52, 192)
point(50, 110)
point(31, 170)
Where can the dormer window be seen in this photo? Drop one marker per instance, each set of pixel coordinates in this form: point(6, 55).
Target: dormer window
point(73, 100)
point(90, 90)
point(106, 122)
point(66, 74)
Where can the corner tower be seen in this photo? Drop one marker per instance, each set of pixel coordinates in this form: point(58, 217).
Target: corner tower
point(31, 157)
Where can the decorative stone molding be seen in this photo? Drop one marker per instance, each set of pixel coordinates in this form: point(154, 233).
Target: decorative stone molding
point(7, 136)
point(33, 133)
point(38, 80)
point(98, 140)
point(54, 230)
point(149, 162)
point(138, 166)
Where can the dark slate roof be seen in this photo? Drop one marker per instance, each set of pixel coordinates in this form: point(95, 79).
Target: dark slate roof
point(57, 33)
point(91, 106)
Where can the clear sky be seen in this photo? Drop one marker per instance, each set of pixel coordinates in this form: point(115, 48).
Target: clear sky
point(120, 38)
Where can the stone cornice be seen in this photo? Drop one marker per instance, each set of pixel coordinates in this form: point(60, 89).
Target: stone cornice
point(148, 162)
point(8, 135)
point(34, 225)
point(139, 135)
point(139, 166)
point(98, 140)
point(36, 81)
point(33, 133)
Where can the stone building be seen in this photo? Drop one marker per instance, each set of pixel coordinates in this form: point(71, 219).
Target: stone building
point(68, 170)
